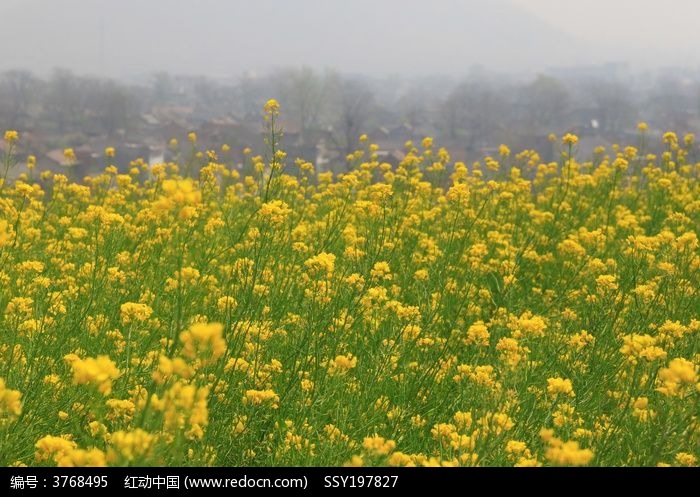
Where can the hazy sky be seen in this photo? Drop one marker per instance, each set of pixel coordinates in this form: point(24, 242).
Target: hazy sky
point(413, 37)
point(664, 28)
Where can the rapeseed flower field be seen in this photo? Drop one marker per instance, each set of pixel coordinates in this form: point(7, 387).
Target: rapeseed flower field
point(509, 312)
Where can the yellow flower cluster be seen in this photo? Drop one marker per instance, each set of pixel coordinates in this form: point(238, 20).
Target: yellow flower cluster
point(69, 154)
point(565, 453)
point(418, 312)
point(679, 378)
point(258, 397)
point(128, 446)
point(570, 139)
point(183, 406)
point(203, 339)
point(135, 312)
point(322, 263)
point(10, 401)
point(180, 197)
point(99, 371)
point(342, 364)
point(275, 212)
point(272, 106)
point(378, 445)
point(556, 386)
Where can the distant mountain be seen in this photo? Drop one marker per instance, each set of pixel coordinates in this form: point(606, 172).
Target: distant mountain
point(224, 38)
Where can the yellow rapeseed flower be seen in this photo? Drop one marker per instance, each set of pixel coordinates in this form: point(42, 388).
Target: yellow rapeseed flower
point(130, 445)
point(570, 139)
point(378, 445)
point(478, 334)
point(342, 364)
point(51, 446)
point(81, 458)
point(323, 263)
point(556, 386)
point(271, 107)
point(678, 378)
point(133, 311)
point(686, 459)
point(204, 340)
point(275, 212)
point(568, 454)
point(11, 136)
point(99, 371)
point(10, 402)
point(259, 397)
point(670, 138)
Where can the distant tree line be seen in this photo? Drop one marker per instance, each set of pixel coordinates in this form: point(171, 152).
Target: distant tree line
point(475, 110)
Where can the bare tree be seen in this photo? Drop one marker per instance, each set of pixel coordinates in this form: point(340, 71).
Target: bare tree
point(252, 92)
point(303, 93)
point(613, 104)
point(473, 111)
point(414, 107)
point(545, 102)
point(352, 103)
point(673, 102)
point(18, 89)
point(63, 100)
point(114, 107)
